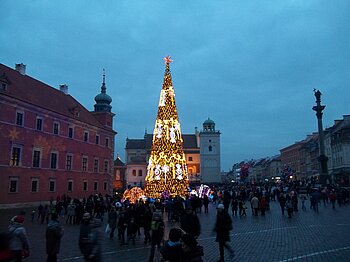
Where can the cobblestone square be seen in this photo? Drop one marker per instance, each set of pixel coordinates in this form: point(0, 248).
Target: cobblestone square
point(307, 236)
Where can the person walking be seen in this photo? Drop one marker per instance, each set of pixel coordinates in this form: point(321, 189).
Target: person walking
point(157, 232)
point(54, 233)
point(19, 243)
point(223, 226)
point(112, 221)
point(333, 198)
point(255, 205)
point(206, 204)
point(282, 200)
point(190, 223)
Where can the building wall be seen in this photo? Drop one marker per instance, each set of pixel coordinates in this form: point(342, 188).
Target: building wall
point(28, 139)
point(210, 157)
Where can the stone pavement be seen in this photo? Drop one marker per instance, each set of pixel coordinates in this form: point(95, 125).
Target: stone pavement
point(307, 236)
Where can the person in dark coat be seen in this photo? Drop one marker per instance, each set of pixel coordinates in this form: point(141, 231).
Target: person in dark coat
point(157, 231)
point(190, 223)
point(54, 233)
point(223, 225)
point(206, 204)
point(172, 250)
point(191, 251)
point(112, 221)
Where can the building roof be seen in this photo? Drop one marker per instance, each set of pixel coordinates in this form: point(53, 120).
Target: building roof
point(118, 162)
point(189, 142)
point(39, 94)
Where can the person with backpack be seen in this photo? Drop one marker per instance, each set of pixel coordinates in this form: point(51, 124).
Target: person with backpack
point(19, 243)
point(54, 233)
point(157, 232)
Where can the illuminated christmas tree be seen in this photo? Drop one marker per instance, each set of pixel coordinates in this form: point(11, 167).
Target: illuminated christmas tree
point(167, 170)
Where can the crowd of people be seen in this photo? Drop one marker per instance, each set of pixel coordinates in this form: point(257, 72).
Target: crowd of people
point(146, 219)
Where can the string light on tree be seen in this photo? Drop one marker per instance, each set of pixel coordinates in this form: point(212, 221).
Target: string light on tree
point(167, 169)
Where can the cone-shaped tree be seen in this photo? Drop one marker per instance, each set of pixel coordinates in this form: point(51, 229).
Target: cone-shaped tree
point(167, 170)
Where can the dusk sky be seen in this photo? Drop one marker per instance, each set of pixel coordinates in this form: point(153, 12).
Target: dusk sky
point(251, 66)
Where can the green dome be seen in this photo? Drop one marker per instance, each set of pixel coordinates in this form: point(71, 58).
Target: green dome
point(103, 98)
point(209, 122)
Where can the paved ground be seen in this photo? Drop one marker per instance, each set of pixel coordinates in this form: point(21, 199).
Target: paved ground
point(308, 236)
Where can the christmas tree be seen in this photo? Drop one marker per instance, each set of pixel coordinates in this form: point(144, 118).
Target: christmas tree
point(167, 170)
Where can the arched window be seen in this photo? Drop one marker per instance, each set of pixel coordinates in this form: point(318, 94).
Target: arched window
point(210, 148)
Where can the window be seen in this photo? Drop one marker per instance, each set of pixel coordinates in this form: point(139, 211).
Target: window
point(35, 185)
point(36, 158)
point(106, 166)
point(53, 160)
point(19, 118)
point(70, 186)
point(16, 155)
point(70, 132)
point(69, 159)
point(134, 172)
point(56, 128)
point(104, 186)
point(210, 148)
point(13, 185)
point(52, 185)
point(3, 86)
point(107, 142)
point(95, 186)
point(85, 185)
point(39, 123)
point(86, 136)
point(190, 158)
point(96, 165)
point(97, 139)
point(140, 172)
point(84, 165)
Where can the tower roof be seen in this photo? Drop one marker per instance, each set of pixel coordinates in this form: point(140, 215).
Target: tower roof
point(103, 100)
point(209, 121)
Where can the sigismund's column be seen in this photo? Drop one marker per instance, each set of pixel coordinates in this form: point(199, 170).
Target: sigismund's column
point(323, 159)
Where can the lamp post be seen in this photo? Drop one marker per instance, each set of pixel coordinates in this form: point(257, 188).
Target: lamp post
point(323, 159)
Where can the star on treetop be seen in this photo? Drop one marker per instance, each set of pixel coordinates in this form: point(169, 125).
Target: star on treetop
point(167, 60)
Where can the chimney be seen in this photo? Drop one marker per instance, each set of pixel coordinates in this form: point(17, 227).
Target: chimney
point(21, 68)
point(64, 89)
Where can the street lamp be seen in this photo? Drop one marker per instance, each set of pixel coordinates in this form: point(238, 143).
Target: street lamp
point(324, 178)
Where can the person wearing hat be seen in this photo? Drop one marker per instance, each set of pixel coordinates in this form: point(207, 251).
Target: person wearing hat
point(54, 233)
point(190, 223)
point(19, 243)
point(223, 225)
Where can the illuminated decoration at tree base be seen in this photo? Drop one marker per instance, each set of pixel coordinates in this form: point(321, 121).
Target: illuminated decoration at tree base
point(134, 194)
point(204, 190)
point(167, 169)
